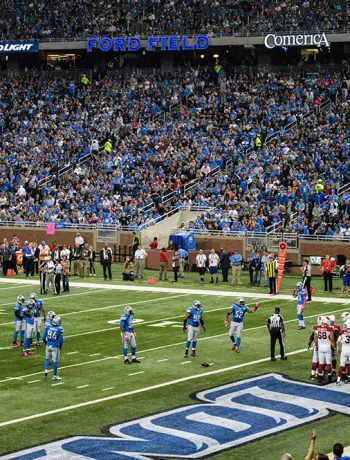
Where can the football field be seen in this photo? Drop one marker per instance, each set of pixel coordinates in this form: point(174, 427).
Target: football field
point(99, 391)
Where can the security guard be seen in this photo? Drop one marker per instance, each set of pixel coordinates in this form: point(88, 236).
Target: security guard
point(275, 325)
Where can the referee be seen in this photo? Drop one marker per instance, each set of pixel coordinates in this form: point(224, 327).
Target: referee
point(275, 325)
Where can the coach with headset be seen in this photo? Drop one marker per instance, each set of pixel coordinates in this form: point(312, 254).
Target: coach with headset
point(275, 326)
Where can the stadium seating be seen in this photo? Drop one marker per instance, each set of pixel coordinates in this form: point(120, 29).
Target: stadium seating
point(23, 19)
point(58, 121)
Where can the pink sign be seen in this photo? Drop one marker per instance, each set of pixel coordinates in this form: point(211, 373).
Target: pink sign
point(50, 228)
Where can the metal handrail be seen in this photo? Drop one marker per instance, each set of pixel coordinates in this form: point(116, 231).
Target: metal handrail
point(190, 34)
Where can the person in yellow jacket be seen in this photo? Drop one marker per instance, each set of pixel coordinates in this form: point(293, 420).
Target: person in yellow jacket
point(258, 141)
point(319, 186)
point(108, 146)
point(85, 80)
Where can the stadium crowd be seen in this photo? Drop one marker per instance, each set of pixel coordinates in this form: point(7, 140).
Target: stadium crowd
point(22, 19)
point(137, 157)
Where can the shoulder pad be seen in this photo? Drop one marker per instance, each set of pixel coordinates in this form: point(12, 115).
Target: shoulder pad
point(189, 310)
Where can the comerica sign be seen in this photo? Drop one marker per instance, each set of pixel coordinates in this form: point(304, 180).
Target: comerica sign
point(275, 40)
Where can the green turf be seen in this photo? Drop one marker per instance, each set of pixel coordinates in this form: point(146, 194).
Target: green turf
point(89, 333)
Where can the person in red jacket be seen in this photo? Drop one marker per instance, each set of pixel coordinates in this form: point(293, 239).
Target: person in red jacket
point(327, 268)
point(164, 263)
point(154, 243)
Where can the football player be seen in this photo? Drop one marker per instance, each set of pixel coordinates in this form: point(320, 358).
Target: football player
point(53, 339)
point(194, 317)
point(314, 365)
point(344, 348)
point(128, 335)
point(344, 316)
point(300, 293)
point(19, 321)
point(38, 310)
point(324, 340)
point(238, 310)
point(336, 330)
point(28, 313)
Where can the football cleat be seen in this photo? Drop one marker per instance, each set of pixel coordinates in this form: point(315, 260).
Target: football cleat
point(193, 353)
point(135, 360)
point(238, 350)
point(22, 343)
point(273, 359)
point(46, 374)
point(56, 377)
point(30, 352)
point(339, 383)
point(126, 361)
point(233, 347)
point(284, 358)
point(24, 353)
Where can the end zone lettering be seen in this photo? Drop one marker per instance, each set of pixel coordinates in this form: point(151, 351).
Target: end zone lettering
point(170, 43)
point(222, 418)
point(19, 47)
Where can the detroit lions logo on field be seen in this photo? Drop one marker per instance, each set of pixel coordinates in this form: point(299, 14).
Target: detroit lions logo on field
point(228, 416)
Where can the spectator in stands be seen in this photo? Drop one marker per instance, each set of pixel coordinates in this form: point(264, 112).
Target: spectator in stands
point(154, 243)
point(236, 265)
point(163, 264)
point(176, 265)
point(327, 267)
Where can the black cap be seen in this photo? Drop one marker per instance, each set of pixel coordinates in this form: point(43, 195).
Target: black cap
point(277, 310)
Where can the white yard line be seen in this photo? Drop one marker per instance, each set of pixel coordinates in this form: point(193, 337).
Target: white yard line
point(162, 360)
point(55, 384)
point(83, 386)
point(186, 362)
point(209, 292)
point(107, 389)
point(95, 354)
point(72, 353)
point(142, 390)
point(159, 348)
point(13, 287)
point(136, 373)
point(34, 381)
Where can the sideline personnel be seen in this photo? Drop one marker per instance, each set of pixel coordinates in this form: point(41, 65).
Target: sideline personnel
point(275, 325)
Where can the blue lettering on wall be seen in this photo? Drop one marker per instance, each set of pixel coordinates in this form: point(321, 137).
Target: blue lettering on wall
point(164, 43)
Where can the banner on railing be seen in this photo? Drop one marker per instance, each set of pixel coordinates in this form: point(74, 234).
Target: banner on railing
point(10, 47)
point(282, 254)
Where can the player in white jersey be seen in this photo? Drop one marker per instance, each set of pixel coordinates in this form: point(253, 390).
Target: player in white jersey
point(324, 340)
point(314, 365)
point(344, 347)
point(214, 261)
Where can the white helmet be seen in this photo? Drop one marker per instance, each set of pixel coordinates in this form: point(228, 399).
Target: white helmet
point(347, 324)
point(299, 285)
point(128, 310)
point(33, 296)
point(331, 319)
point(319, 320)
point(324, 320)
point(344, 316)
point(31, 303)
point(20, 299)
point(240, 301)
point(196, 304)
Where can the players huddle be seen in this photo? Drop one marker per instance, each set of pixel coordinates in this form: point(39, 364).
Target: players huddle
point(28, 321)
point(328, 338)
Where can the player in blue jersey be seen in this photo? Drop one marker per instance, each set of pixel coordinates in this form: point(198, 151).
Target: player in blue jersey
point(53, 339)
point(300, 293)
point(19, 321)
point(238, 310)
point(38, 311)
point(194, 317)
point(28, 314)
point(128, 335)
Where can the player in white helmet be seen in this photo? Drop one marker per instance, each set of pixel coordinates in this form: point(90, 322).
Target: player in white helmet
point(324, 340)
point(344, 347)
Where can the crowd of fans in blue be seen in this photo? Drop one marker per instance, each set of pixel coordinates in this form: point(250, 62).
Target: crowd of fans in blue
point(137, 158)
point(83, 18)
